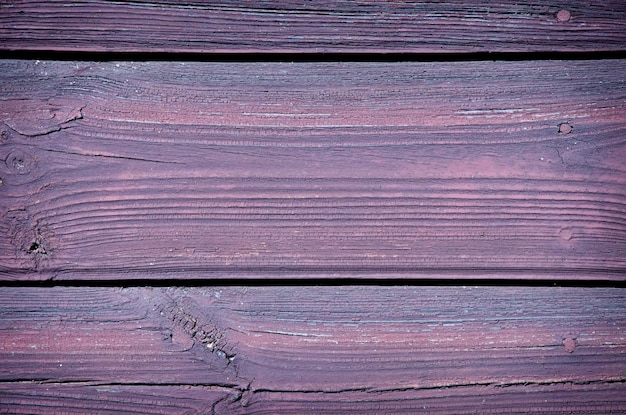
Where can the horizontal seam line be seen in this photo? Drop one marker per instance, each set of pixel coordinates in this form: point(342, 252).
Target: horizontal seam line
point(269, 56)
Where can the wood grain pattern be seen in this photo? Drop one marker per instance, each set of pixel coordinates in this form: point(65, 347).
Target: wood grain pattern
point(73, 398)
point(321, 26)
point(217, 170)
point(312, 349)
point(181, 202)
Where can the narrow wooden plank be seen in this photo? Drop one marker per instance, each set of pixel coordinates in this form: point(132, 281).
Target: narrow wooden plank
point(323, 26)
point(34, 398)
point(217, 170)
point(315, 349)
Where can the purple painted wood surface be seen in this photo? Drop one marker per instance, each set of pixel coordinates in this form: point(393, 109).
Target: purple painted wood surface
point(173, 207)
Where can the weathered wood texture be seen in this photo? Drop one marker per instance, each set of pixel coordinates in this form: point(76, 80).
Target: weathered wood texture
point(74, 398)
point(313, 349)
point(164, 172)
point(322, 26)
point(218, 170)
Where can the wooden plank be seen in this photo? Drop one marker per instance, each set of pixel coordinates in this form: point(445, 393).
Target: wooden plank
point(35, 398)
point(323, 26)
point(314, 349)
point(217, 170)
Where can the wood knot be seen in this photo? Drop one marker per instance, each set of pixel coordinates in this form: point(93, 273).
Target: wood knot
point(4, 135)
point(37, 248)
point(28, 237)
point(20, 162)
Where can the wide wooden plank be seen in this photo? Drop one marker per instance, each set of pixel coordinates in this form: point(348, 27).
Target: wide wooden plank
point(218, 170)
point(313, 349)
point(322, 26)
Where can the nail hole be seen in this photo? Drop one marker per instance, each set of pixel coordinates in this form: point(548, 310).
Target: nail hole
point(566, 234)
point(563, 16)
point(565, 128)
point(33, 247)
point(569, 344)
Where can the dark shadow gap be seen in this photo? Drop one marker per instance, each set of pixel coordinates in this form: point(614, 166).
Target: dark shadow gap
point(306, 56)
point(312, 282)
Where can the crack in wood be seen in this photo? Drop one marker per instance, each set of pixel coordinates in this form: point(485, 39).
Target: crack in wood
point(108, 156)
point(29, 128)
point(236, 389)
point(370, 390)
